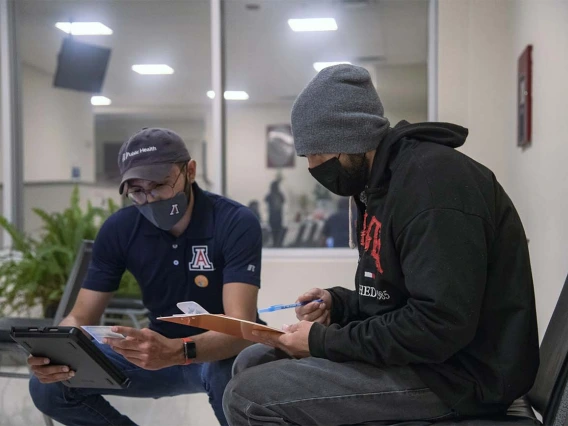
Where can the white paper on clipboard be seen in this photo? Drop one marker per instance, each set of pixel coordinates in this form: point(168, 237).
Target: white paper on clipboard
point(191, 308)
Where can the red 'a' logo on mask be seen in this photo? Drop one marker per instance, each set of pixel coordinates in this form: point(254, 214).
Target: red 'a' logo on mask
point(371, 239)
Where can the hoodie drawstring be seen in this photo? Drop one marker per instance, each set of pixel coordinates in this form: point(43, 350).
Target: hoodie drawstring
point(352, 242)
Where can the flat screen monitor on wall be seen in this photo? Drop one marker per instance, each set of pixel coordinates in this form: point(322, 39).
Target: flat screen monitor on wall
point(81, 66)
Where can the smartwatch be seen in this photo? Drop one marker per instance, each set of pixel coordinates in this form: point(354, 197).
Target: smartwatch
point(189, 350)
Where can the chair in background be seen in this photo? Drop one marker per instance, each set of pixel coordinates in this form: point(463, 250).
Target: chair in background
point(307, 234)
point(314, 238)
point(300, 235)
point(125, 311)
point(8, 348)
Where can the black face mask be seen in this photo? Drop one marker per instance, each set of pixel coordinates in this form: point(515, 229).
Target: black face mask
point(338, 180)
point(164, 214)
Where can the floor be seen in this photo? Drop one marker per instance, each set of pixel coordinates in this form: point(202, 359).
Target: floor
point(17, 409)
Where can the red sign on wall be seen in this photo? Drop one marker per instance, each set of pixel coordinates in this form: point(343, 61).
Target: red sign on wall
point(524, 102)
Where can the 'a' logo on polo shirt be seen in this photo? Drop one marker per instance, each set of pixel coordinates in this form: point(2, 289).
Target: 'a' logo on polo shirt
point(200, 260)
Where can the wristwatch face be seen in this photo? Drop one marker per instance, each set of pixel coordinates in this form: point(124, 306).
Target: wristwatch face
point(190, 350)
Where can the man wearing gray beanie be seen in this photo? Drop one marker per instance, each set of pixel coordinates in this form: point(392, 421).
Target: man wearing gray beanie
point(442, 319)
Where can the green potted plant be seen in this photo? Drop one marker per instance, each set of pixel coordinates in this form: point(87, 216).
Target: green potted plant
point(35, 271)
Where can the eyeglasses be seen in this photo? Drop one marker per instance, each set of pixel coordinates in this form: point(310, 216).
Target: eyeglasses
point(163, 191)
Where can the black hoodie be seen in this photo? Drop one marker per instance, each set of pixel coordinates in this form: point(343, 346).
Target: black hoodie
point(444, 280)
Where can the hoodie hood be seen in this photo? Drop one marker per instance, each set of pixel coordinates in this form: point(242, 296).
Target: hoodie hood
point(447, 134)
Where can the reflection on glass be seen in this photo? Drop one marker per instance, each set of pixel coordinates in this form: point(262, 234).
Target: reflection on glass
point(94, 73)
point(272, 51)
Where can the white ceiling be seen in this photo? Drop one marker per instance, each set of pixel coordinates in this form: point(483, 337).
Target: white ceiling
point(263, 56)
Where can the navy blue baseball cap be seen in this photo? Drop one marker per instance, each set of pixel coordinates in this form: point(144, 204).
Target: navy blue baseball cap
point(150, 154)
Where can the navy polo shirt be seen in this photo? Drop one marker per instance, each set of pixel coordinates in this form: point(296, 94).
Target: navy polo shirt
point(222, 244)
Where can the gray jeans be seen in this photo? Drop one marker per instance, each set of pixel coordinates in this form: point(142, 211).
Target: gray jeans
point(315, 391)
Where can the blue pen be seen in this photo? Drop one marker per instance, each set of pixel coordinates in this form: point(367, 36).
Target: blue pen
point(291, 305)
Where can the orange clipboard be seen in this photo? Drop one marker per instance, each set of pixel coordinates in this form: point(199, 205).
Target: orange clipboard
point(223, 324)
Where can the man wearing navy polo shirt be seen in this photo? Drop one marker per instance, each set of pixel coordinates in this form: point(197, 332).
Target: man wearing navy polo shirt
point(180, 243)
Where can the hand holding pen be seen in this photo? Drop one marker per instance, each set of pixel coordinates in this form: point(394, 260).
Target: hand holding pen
point(315, 312)
point(314, 306)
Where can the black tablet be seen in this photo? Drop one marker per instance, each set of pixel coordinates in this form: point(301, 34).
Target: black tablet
point(69, 346)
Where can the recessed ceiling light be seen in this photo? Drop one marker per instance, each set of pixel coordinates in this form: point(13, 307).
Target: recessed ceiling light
point(84, 28)
point(313, 24)
point(100, 100)
point(318, 66)
point(152, 69)
point(231, 95)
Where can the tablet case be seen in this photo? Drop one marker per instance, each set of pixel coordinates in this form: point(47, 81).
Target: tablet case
point(223, 324)
point(69, 346)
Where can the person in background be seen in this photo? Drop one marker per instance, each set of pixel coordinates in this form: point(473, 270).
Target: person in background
point(335, 232)
point(180, 243)
point(255, 209)
point(442, 321)
point(275, 200)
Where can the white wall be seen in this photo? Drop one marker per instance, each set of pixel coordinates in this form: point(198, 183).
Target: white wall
point(479, 44)
point(58, 129)
point(538, 176)
point(286, 276)
point(412, 116)
point(475, 85)
point(403, 90)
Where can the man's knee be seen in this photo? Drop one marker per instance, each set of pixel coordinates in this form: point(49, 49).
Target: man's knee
point(46, 397)
point(254, 384)
point(255, 355)
point(235, 404)
point(248, 392)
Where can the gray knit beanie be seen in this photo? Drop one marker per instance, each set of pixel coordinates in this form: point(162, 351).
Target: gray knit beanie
point(338, 112)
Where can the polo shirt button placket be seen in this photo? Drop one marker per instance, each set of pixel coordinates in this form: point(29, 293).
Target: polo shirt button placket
point(176, 262)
